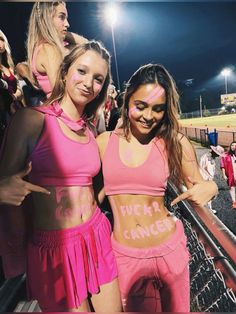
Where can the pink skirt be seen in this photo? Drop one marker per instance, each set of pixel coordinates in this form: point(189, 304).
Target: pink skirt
point(64, 266)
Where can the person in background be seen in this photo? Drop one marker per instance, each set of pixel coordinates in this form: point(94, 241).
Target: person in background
point(228, 167)
point(208, 166)
point(11, 96)
point(110, 103)
point(137, 161)
point(48, 41)
point(116, 112)
point(33, 95)
point(70, 262)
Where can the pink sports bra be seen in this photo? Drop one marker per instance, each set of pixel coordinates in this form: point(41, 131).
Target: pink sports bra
point(60, 161)
point(42, 79)
point(150, 178)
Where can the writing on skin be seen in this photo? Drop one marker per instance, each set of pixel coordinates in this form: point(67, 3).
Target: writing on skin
point(140, 232)
point(62, 210)
point(138, 210)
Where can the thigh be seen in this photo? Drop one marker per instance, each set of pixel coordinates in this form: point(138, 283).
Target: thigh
point(108, 299)
point(84, 307)
point(175, 296)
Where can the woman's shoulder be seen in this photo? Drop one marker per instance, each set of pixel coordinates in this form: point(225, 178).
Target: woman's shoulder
point(103, 139)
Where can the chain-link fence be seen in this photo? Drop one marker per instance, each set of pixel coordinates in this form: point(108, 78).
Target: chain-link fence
point(209, 291)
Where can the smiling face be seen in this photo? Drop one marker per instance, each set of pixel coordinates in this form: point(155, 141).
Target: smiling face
point(60, 20)
point(146, 109)
point(85, 78)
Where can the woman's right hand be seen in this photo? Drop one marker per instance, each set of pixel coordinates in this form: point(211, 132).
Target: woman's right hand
point(13, 189)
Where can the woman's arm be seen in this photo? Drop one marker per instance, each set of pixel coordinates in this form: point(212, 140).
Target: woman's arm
point(199, 190)
point(102, 141)
point(21, 137)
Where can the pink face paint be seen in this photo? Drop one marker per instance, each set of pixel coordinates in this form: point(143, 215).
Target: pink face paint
point(74, 78)
point(159, 226)
point(156, 92)
point(156, 207)
point(62, 214)
point(144, 231)
point(126, 236)
point(137, 209)
point(132, 110)
point(73, 196)
point(134, 234)
point(147, 210)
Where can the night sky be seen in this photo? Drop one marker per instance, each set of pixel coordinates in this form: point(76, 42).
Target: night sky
point(193, 40)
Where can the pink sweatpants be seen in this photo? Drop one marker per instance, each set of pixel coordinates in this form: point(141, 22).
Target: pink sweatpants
point(155, 279)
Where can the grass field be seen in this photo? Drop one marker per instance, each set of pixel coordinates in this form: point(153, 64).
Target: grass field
point(223, 121)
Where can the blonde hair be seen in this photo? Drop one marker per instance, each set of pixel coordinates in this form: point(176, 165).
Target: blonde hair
point(6, 58)
point(41, 29)
point(58, 91)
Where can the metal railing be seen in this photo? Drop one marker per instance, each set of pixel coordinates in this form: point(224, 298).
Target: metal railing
point(213, 257)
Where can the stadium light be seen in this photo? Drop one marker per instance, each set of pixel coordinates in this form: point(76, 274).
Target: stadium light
point(226, 72)
point(111, 14)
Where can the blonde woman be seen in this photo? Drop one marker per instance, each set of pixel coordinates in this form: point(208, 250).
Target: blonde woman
point(69, 254)
point(48, 42)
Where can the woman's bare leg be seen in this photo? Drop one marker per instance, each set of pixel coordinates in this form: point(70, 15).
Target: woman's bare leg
point(108, 299)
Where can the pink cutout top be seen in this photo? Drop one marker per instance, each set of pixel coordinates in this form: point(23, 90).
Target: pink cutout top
point(60, 161)
point(150, 178)
point(42, 79)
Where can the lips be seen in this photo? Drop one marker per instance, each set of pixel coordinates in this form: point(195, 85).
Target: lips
point(146, 125)
point(84, 92)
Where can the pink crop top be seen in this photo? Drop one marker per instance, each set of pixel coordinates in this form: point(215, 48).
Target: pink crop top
point(150, 178)
point(42, 79)
point(60, 161)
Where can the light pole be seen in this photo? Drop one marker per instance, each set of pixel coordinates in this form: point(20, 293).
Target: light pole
point(200, 104)
point(226, 72)
point(111, 17)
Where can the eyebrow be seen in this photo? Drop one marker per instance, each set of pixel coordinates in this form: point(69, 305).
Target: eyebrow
point(87, 67)
point(63, 13)
point(137, 102)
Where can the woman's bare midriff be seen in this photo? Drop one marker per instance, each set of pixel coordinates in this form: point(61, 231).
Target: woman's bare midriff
point(141, 220)
point(65, 207)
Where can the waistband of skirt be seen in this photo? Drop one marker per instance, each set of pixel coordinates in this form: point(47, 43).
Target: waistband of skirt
point(153, 251)
point(61, 235)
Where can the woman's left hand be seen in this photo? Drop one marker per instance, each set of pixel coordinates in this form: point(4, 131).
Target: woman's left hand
point(200, 193)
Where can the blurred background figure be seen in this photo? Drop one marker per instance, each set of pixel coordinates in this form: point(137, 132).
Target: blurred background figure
point(208, 166)
point(228, 167)
point(11, 96)
point(110, 103)
point(48, 41)
point(116, 112)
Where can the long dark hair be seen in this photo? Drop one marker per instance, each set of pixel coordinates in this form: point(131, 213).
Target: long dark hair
point(230, 151)
point(59, 87)
point(168, 128)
